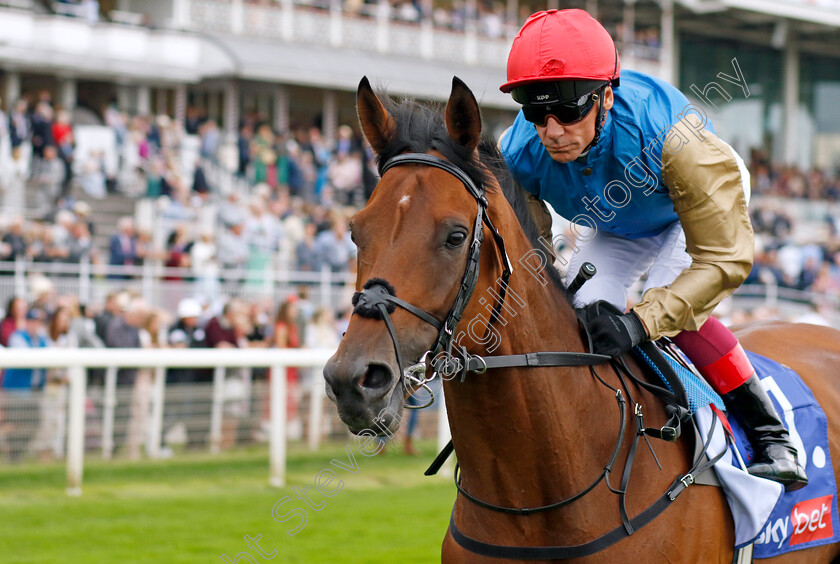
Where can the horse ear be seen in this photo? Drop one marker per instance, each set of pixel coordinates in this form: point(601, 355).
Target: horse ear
point(463, 119)
point(377, 123)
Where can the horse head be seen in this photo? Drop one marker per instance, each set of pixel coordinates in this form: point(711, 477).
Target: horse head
point(419, 243)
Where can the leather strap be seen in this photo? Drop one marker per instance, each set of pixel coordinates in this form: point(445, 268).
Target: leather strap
point(563, 552)
point(437, 162)
point(470, 277)
point(538, 359)
point(604, 541)
point(622, 407)
point(437, 463)
point(416, 311)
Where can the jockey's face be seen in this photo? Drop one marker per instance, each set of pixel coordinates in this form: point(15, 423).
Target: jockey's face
point(565, 143)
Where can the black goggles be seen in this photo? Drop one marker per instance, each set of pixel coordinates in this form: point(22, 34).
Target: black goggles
point(566, 113)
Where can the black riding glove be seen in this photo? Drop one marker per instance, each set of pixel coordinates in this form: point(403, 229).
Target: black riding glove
point(615, 334)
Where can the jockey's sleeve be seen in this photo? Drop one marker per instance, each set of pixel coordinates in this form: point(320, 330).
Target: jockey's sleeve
point(705, 184)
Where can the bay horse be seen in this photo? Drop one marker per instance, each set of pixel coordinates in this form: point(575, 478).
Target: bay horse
point(524, 436)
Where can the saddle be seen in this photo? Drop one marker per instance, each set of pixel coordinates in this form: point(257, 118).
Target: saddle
point(684, 390)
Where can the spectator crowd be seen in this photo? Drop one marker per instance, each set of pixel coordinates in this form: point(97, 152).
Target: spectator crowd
point(303, 188)
point(33, 401)
point(795, 251)
point(487, 17)
point(773, 179)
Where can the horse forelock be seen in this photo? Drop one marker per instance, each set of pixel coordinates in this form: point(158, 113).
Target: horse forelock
point(420, 128)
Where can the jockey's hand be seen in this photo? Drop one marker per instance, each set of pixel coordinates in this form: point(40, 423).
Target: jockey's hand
point(615, 334)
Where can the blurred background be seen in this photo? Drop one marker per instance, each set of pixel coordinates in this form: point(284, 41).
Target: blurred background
point(179, 174)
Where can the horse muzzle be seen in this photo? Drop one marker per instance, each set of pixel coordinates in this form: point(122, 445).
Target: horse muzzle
point(363, 390)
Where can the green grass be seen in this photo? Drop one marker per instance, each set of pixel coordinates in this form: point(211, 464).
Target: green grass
point(197, 506)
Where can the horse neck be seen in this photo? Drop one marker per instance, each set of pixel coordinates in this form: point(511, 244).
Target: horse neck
point(491, 414)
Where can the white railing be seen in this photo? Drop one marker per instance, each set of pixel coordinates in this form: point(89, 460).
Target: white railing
point(372, 30)
point(78, 360)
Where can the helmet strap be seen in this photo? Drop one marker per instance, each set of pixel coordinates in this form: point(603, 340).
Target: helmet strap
point(599, 124)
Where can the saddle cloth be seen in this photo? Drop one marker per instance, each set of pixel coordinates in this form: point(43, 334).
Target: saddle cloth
point(775, 521)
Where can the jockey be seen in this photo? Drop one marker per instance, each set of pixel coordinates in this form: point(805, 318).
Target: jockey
point(657, 192)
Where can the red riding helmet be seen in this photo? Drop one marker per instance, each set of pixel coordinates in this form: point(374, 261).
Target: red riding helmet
point(562, 45)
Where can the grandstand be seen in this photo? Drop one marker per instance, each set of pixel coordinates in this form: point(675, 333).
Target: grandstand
point(179, 173)
point(225, 132)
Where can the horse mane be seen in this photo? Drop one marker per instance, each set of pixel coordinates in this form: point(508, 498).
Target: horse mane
point(421, 128)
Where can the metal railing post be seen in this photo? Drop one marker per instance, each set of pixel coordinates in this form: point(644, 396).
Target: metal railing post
point(109, 405)
point(336, 23)
point(156, 424)
point(76, 429)
point(268, 274)
point(147, 283)
point(20, 277)
point(287, 28)
point(316, 408)
point(84, 279)
point(382, 10)
point(325, 280)
point(772, 294)
point(237, 17)
point(277, 437)
point(216, 412)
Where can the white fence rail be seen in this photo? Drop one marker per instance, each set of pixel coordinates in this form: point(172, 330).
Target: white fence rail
point(77, 361)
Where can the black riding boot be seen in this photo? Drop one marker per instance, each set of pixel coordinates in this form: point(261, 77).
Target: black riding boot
point(775, 456)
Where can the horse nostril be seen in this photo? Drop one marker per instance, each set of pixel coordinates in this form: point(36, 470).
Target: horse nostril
point(376, 376)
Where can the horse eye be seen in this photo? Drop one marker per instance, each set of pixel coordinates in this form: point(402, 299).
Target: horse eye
point(456, 239)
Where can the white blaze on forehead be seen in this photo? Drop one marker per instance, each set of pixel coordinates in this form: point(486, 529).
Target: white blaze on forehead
point(403, 203)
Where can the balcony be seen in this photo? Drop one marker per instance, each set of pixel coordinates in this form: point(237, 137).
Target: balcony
point(371, 30)
point(56, 43)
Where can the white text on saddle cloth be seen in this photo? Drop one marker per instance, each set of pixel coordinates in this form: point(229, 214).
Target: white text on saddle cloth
point(775, 532)
point(811, 520)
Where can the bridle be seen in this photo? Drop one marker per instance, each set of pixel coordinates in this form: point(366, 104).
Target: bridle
point(378, 300)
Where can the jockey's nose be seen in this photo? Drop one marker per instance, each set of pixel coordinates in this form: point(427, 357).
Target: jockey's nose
point(553, 128)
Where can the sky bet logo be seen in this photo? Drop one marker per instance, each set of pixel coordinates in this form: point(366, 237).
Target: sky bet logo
point(811, 520)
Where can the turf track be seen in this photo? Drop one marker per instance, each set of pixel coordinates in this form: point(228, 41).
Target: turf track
point(195, 507)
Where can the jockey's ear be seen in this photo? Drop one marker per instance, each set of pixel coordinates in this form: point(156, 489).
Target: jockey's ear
point(463, 119)
point(608, 98)
point(377, 124)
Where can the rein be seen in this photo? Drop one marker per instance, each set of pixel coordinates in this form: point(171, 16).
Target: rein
point(378, 300)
